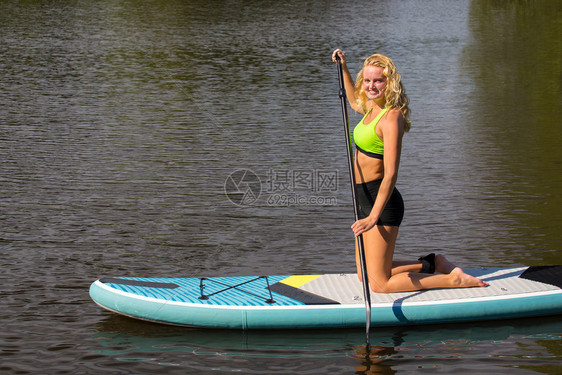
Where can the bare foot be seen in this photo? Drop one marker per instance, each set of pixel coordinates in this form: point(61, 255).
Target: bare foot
point(442, 264)
point(464, 280)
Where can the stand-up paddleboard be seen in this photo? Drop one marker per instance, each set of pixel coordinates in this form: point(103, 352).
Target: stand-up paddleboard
point(326, 301)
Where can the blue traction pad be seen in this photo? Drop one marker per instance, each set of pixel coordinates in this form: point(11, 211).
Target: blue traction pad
point(187, 290)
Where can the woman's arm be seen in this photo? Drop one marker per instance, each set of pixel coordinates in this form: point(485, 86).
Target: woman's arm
point(348, 82)
point(392, 128)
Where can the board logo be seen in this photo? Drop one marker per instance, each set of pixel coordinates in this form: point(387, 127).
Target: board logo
point(242, 187)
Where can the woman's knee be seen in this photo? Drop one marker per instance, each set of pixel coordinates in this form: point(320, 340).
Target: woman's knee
point(378, 286)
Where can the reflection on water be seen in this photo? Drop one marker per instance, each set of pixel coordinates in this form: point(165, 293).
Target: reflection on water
point(121, 121)
point(513, 117)
point(403, 348)
point(376, 361)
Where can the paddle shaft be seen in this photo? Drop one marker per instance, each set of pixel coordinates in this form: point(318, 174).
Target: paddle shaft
point(362, 259)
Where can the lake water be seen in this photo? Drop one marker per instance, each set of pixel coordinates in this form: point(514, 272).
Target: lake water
point(121, 123)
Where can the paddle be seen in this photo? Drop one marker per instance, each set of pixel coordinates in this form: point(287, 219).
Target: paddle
point(366, 292)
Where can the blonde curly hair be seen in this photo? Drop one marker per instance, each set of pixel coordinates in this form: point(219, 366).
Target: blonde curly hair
point(395, 93)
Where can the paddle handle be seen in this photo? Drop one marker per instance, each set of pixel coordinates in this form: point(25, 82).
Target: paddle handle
point(362, 259)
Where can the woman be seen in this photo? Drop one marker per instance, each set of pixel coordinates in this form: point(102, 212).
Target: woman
point(378, 94)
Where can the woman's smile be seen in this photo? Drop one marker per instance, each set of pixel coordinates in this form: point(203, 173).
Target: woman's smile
point(374, 82)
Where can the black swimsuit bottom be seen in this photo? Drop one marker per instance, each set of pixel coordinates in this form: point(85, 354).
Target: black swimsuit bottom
point(393, 212)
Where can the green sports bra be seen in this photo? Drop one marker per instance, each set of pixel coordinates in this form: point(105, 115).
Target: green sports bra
point(365, 136)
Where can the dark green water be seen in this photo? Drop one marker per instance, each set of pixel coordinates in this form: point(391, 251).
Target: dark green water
point(121, 121)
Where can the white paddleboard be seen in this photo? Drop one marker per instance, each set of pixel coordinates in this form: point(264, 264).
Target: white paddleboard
point(326, 301)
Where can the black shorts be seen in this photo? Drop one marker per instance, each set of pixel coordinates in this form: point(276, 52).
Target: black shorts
point(393, 212)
